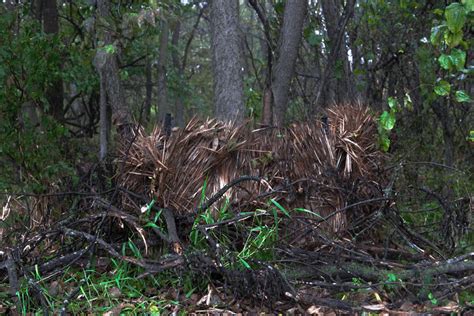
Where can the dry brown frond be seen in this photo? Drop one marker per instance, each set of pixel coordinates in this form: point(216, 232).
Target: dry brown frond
point(320, 170)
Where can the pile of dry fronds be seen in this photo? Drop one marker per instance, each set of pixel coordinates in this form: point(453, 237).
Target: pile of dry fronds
point(317, 166)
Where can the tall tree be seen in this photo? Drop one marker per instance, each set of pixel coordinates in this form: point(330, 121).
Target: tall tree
point(336, 20)
point(179, 104)
point(111, 93)
point(163, 107)
point(148, 89)
point(289, 43)
point(266, 47)
point(227, 61)
point(47, 13)
point(180, 64)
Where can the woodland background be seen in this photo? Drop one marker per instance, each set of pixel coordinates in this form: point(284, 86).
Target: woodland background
point(77, 77)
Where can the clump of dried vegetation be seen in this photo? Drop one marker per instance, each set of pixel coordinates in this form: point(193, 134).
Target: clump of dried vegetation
point(322, 167)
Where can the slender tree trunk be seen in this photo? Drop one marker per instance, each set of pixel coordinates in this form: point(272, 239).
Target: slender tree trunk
point(111, 89)
point(163, 107)
point(290, 38)
point(179, 103)
point(340, 74)
point(266, 48)
point(356, 56)
point(337, 66)
point(148, 90)
point(180, 66)
point(55, 92)
point(227, 61)
point(104, 126)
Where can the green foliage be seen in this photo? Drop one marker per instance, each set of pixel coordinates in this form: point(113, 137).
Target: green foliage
point(33, 153)
point(451, 42)
point(442, 88)
point(461, 96)
point(392, 282)
point(455, 15)
point(471, 136)
point(387, 122)
point(39, 156)
point(261, 234)
point(432, 299)
point(454, 61)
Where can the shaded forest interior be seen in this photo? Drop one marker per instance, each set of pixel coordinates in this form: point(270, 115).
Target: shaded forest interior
point(236, 156)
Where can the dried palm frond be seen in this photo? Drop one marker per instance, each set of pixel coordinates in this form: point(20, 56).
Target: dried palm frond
point(328, 168)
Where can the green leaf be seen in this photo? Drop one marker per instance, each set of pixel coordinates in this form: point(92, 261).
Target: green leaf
point(280, 207)
point(148, 207)
point(455, 15)
point(109, 49)
point(150, 224)
point(392, 103)
point(244, 263)
point(469, 5)
point(391, 277)
point(384, 142)
point(453, 39)
point(444, 61)
point(462, 96)
point(458, 58)
point(442, 88)
point(471, 136)
point(433, 300)
point(387, 120)
point(303, 210)
point(437, 33)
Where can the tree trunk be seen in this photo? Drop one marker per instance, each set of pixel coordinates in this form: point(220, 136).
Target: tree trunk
point(111, 89)
point(337, 67)
point(179, 103)
point(180, 66)
point(353, 34)
point(148, 90)
point(104, 126)
point(227, 61)
point(266, 49)
point(290, 38)
point(55, 92)
point(162, 65)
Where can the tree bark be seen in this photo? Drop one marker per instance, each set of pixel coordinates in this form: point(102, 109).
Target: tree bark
point(266, 47)
point(162, 65)
point(54, 92)
point(179, 103)
point(290, 38)
point(227, 61)
point(104, 125)
point(111, 89)
point(335, 26)
point(148, 90)
point(180, 65)
point(337, 76)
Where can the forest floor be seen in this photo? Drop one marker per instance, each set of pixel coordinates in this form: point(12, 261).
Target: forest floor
point(366, 236)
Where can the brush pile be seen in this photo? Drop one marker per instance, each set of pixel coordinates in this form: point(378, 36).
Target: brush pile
point(323, 167)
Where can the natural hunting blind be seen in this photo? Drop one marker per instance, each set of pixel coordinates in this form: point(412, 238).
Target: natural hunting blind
point(321, 165)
